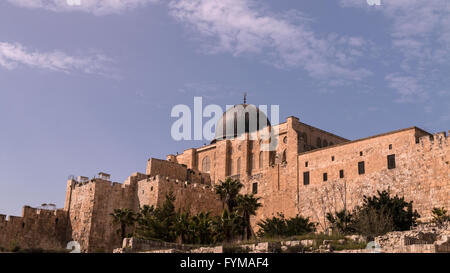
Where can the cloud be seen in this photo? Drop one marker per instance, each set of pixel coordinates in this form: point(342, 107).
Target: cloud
point(97, 7)
point(14, 55)
point(420, 32)
point(408, 88)
point(241, 27)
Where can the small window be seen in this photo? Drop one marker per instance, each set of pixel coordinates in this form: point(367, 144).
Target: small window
point(361, 169)
point(390, 146)
point(360, 153)
point(285, 140)
point(391, 161)
point(255, 188)
point(283, 157)
point(306, 178)
point(325, 177)
point(332, 158)
point(341, 174)
point(306, 164)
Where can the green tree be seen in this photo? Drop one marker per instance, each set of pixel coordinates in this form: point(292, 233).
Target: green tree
point(158, 223)
point(402, 213)
point(247, 205)
point(201, 228)
point(228, 191)
point(181, 226)
point(227, 226)
point(124, 218)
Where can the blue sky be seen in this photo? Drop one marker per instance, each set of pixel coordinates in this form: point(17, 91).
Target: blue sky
point(90, 88)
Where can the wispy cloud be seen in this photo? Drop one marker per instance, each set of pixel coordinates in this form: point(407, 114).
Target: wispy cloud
point(14, 55)
point(243, 27)
point(408, 88)
point(97, 7)
point(420, 32)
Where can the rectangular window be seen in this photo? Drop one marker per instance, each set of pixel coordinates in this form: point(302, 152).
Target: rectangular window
point(255, 188)
point(391, 161)
point(390, 146)
point(325, 177)
point(306, 164)
point(341, 174)
point(306, 178)
point(361, 169)
point(332, 158)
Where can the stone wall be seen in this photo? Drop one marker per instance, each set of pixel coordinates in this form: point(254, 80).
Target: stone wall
point(37, 228)
point(421, 173)
point(176, 171)
point(191, 197)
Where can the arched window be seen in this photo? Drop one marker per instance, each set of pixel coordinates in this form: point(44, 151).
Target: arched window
point(206, 164)
point(238, 166)
point(319, 142)
point(305, 138)
point(260, 160)
point(271, 158)
point(251, 162)
point(283, 157)
point(285, 140)
point(325, 143)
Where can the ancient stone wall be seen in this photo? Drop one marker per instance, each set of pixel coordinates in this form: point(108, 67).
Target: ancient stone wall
point(191, 197)
point(421, 173)
point(176, 171)
point(36, 229)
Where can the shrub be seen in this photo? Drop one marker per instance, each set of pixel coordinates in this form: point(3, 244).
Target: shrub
point(281, 227)
point(341, 222)
point(401, 212)
point(440, 216)
point(371, 222)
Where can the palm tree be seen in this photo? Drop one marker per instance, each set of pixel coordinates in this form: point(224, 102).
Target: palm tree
point(227, 226)
point(124, 217)
point(228, 191)
point(181, 226)
point(201, 228)
point(247, 205)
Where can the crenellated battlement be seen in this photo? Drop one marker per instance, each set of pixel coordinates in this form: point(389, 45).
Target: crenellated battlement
point(179, 183)
point(437, 140)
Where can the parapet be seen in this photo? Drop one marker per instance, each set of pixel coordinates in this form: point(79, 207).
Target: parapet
point(436, 140)
point(177, 171)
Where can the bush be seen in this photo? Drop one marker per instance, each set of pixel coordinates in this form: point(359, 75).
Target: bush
point(341, 223)
point(281, 227)
point(401, 212)
point(377, 215)
point(440, 216)
point(371, 222)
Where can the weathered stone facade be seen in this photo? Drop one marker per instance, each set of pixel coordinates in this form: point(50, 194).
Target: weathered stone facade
point(311, 172)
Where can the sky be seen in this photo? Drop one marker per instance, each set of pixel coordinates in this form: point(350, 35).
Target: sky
point(89, 86)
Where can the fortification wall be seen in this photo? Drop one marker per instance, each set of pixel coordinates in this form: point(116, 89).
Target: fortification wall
point(37, 228)
point(176, 171)
point(421, 173)
point(191, 197)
